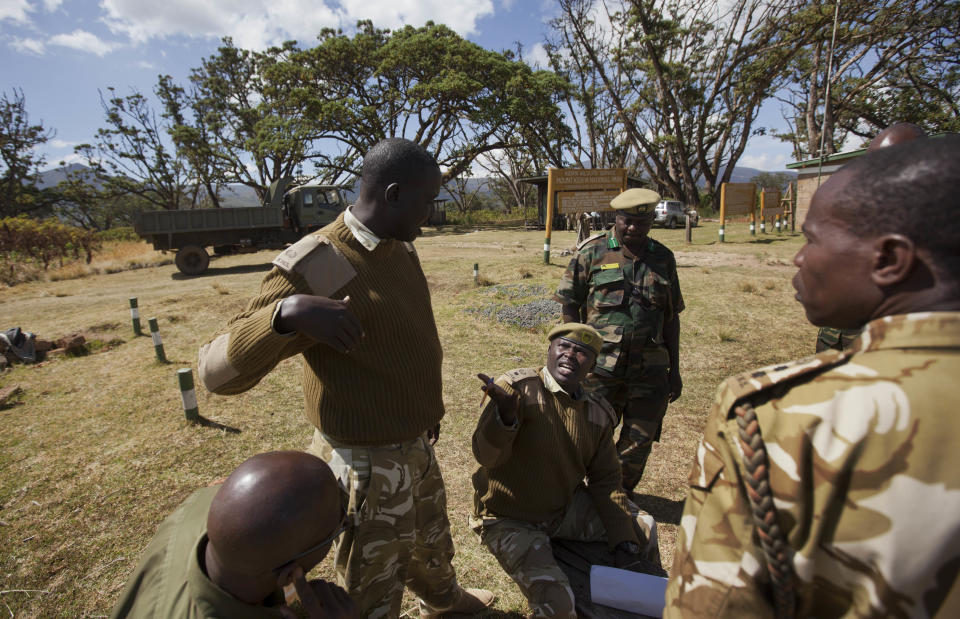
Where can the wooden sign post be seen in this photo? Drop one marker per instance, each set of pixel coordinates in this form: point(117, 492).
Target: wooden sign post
point(582, 189)
point(736, 199)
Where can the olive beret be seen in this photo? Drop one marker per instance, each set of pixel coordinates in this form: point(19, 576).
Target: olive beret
point(635, 201)
point(578, 333)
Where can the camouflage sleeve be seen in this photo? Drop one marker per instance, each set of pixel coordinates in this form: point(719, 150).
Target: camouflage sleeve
point(237, 358)
point(604, 486)
point(717, 568)
point(574, 285)
point(492, 440)
point(676, 297)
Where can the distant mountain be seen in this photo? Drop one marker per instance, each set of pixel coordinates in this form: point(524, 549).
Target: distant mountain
point(236, 195)
point(743, 174)
point(51, 178)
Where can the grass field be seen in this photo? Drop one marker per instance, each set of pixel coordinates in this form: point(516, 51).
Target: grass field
point(96, 452)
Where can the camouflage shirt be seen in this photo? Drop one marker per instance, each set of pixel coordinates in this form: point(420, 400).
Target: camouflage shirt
point(836, 338)
point(864, 466)
point(626, 298)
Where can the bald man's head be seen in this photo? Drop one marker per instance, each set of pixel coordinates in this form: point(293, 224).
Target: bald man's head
point(271, 508)
point(911, 189)
point(896, 134)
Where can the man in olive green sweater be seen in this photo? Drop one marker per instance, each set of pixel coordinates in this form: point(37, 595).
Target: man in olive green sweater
point(353, 300)
point(537, 439)
point(229, 548)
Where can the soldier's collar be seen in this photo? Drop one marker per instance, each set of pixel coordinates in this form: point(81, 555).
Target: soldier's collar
point(554, 387)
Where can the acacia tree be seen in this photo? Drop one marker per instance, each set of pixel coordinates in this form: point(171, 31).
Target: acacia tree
point(465, 191)
point(686, 78)
point(596, 129)
point(893, 60)
point(506, 168)
point(19, 158)
point(427, 84)
point(132, 154)
point(189, 128)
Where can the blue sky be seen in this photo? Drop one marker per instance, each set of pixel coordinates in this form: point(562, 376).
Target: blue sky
point(61, 52)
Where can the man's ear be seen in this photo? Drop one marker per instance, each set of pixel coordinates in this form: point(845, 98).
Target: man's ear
point(392, 192)
point(893, 258)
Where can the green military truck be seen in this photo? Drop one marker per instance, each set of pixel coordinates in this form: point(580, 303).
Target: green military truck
point(288, 214)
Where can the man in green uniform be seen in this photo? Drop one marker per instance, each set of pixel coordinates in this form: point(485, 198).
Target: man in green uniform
point(353, 300)
point(625, 285)
point(830, 486)
point(842, 339)
point(229, 549)
point(538, 438)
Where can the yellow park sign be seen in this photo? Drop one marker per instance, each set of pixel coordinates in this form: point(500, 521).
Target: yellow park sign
point(577, 190)
point(586, 201)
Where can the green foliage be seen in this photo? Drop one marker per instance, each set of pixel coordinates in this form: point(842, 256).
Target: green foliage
point(43, 241)
point(686, 79)
point(327, 105)
point(123, 233)
point(480, 216)
point(132, 156)
point(20, 162)
point(772, 180)
point(893, 61)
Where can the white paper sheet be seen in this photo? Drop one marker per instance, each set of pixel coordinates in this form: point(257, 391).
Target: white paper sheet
point(630, 591)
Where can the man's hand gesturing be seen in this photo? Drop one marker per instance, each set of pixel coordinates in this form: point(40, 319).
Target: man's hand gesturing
point(506, 402)
point(328, 321)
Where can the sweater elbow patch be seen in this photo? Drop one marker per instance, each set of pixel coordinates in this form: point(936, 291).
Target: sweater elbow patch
point(214, 367)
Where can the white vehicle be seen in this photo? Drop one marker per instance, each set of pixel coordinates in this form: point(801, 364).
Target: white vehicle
point(673, 213)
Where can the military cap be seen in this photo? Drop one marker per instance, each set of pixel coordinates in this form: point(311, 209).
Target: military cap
point(635, 201)
point(578, 333)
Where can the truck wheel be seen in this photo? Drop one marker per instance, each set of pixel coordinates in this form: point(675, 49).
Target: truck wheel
point(192, 260)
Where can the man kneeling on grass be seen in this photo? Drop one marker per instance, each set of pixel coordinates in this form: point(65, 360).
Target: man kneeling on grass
point(229, 549)
point(538, 438)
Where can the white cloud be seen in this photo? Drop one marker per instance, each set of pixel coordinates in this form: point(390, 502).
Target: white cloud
point(459, 15)
point(58, 143)
point(83, 41)
point(66, 160)
point(145, 64)
point(52, 5)
point(28, 46)
point(537, 56)
point(15, 10)
point(256, 24)
point(763, 161)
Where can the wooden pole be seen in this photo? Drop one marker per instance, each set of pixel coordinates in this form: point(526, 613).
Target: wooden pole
point(549, 222)
point(135, 316)
point(723, 208)
point(688, 234)
point(157, 342)
point(187, 394)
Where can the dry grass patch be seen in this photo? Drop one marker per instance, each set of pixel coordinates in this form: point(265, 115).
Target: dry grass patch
point(97, 452)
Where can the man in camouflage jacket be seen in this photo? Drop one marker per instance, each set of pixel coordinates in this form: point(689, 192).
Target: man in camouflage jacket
point(897, 133)
point(624, 284)
point(830, 486)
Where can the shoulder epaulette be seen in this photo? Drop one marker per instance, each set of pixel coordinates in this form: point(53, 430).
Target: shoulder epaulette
point(515, 376)
point(320, 264)
point(589, 239)
point(410, 248)
point(748, 384)
point(601, 411)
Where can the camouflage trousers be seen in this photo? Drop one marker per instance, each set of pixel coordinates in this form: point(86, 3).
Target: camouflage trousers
point(641, 401)
point(400, 534)
point(523, 550)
